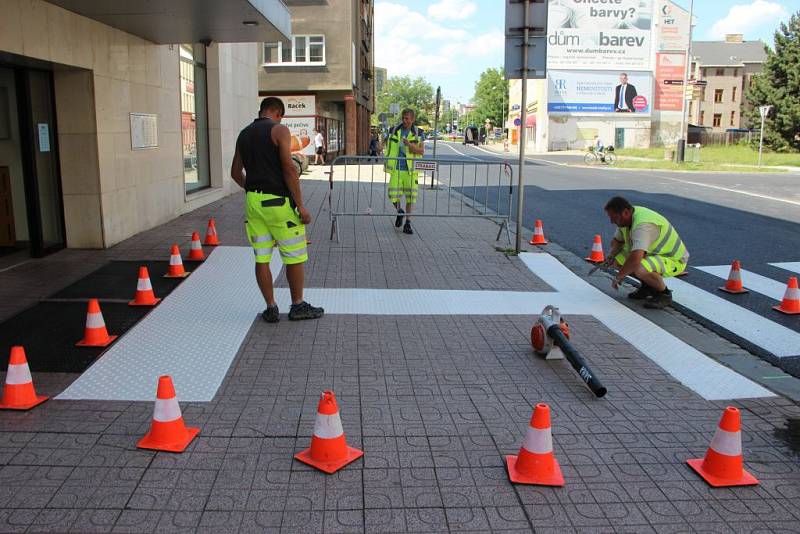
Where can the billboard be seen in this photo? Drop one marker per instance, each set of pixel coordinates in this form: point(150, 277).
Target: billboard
point(301, 129)
point(582, 92)
point(615, 34)
point(670, 68)
point(673, 26)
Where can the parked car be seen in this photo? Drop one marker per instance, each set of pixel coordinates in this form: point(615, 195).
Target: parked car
point(471, 135)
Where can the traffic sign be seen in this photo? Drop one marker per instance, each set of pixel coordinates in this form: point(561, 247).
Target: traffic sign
point(515, 17)
point(517, 122)
point(698, 82)
point(764, 111)
point(673, 82)
point(537, 58)
point(536, 44)
point(420, 165)
point(394, 108)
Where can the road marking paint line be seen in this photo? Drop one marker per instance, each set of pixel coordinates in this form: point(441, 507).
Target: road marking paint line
point(753, 281)
point(737, 191)
point(770, 336)
point(708, 378)
point(193, 335)
point(793, 266)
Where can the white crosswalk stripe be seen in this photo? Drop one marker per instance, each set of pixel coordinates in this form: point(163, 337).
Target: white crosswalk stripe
point(752, 281)
point(793, 266)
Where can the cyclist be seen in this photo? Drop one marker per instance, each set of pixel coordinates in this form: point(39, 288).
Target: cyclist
point(599, 148)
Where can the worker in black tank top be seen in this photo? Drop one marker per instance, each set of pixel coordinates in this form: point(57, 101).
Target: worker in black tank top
point(276, 215)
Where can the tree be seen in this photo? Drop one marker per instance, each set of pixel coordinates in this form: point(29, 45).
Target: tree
point(779, 86)
point(491, 97)
point(416, 94)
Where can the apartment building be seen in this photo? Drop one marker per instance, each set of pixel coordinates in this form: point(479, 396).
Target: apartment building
point(113, 123)
point(325, 73)
point(727, 67)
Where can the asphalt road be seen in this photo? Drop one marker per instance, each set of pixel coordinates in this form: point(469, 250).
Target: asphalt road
point(754, 218)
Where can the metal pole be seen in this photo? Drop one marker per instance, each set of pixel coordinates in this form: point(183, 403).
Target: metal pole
point(761, 141)
point(523, 118)
point(435, 131)
point(682, 140)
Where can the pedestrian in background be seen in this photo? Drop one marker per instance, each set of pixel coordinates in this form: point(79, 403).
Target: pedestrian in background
point(276, 215)
point(319, 148)
point(404, 144)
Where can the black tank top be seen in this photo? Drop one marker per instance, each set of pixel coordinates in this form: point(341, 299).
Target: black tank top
point(261, 160)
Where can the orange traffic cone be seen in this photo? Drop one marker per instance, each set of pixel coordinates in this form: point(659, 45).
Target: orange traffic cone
point(329, 451)
point(535, 463)
point(167, 431)
point(791, 299)
point(19, 393)
point(734, 282)
point(723, 463)
point(538, 234)
point(597, 255)
point(212, 239)
point(176, 264)
point(95, 333)
point(144, 290)
point(196, 251)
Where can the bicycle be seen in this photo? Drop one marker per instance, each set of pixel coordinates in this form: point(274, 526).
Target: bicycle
point(604, 157)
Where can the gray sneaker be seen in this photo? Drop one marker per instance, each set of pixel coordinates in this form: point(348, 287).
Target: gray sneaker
point(304, 310)
point(271, 314)
point(659, 300)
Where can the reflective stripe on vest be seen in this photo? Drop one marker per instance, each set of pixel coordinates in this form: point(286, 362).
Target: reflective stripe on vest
point(393, 148)
point(727, 443)
point(668, 244)
point(166, 410)
point(538, 440)
point(328, 426)
point(144, 284)
point(18, 374)
point(95, 320)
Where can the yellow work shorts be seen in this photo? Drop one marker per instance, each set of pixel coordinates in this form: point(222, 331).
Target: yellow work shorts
point(402, 183)
point(662, 265)
point(271, 220)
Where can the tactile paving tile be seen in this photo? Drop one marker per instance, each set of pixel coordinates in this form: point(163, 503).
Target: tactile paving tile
point(709, 379)
point(192, 335)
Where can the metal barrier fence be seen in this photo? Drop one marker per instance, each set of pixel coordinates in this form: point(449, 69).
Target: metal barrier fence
point(358, 186)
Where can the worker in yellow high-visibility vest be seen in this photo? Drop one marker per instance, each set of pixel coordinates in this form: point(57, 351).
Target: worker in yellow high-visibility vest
point(647, 247)
point(404, 144)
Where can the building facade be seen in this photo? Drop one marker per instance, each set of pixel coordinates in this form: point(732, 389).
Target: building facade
point(328, 62)
point(728, 68)
point(109, 127)
point(606, 70)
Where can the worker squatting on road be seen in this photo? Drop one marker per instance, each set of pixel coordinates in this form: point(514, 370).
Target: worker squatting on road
point(404, 144)
point(274, 208)
point(647, 247)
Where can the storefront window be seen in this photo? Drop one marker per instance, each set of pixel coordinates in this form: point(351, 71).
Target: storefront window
point(194, 117)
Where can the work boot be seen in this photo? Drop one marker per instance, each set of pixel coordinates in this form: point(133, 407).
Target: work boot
point(660, 300)
point(271, 315)
point(304, 310)
point(407, 228)
point(643, 292)
point(398, 222)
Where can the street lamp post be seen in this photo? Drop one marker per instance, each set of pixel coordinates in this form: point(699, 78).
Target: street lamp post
point(682, 139)
point(764, 110)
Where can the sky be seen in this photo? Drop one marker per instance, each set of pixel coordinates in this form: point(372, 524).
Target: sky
point(450, 42)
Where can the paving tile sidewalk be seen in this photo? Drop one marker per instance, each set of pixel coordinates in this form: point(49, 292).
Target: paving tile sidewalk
point(434, 401)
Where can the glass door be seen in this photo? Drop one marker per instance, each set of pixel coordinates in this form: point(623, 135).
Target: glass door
point(40, 155)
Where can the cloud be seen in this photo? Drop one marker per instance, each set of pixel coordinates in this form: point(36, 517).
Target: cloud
point(452, 9)
point(410, 43)
point(746, 18)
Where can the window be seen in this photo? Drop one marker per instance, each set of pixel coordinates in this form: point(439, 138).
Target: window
point(702, 117)
point(303, 50)
point(194, 117)
point(720, 72)
point(718, 94)
point(736, 72)
point(733, 98)
point(703, 73)
point(733, 118)
point(717, 120)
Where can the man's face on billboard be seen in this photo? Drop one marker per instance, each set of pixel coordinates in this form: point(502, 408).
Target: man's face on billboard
point(623, 79)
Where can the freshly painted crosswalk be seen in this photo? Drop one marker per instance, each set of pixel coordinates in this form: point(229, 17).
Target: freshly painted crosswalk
point(793, 266)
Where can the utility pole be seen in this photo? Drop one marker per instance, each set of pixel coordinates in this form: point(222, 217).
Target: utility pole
point(523, 119)
point(764, 110)
point(436, 132)
point(682, 140)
